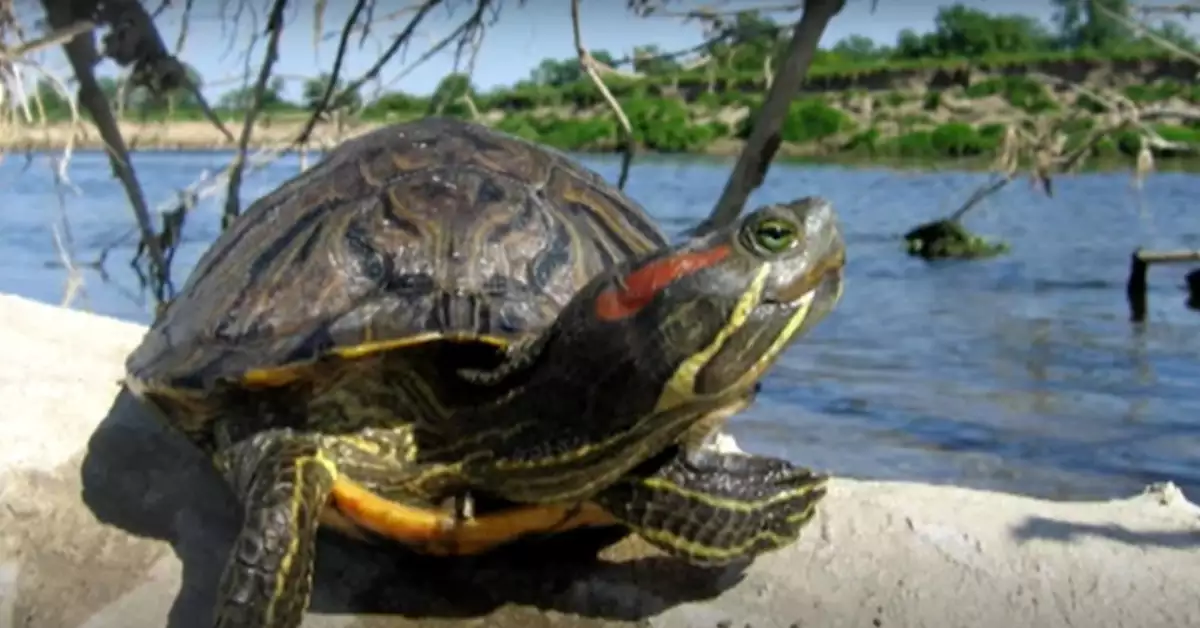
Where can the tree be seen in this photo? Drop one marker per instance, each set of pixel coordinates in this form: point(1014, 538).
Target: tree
point(961, 31)
point(857, 48)
point(910, 45)
point(559, 72)
point(1019, 33)
point(314, 91)
point(649, 60)
point(449, 97)
point(755, 38)
point(1083, 24)
point(241, 98)
point(1175, 33)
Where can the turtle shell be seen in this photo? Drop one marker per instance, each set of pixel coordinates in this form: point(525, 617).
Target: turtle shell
point(433, 230)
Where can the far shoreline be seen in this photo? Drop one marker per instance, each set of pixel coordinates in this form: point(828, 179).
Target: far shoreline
point(193, 136)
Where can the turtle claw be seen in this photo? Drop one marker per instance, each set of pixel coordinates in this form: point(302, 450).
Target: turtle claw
point(717, 508)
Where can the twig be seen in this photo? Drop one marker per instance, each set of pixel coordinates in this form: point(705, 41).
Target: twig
point(463, 29)
point(589, 65)
point(233, 195)
point(474, 40)
point(338, 60)
point(979, 195)
point(1142, 30)
point(82, 55)
point(398, 42)
point(57, 37)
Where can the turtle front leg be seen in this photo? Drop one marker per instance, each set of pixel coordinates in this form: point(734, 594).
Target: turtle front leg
point(715, 508)
point(283, 482)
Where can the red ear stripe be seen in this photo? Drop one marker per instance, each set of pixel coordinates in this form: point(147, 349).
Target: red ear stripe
point(642, 284)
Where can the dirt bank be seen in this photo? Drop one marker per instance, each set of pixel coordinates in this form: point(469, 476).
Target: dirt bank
point(109, 521)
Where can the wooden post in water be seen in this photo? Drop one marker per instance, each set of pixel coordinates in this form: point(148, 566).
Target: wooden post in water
point(1139, 263)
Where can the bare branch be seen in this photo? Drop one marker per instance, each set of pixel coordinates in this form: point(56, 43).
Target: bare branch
point(58, 37)
point(82, 54)
point(589, 65)
point(399, 41)
point(338, 60)
point(233, 196)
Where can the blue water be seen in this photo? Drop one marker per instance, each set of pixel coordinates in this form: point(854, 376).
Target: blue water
point(1020, 373)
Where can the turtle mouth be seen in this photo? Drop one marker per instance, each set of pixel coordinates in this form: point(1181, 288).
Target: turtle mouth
point(721, 442)
point(822, 280)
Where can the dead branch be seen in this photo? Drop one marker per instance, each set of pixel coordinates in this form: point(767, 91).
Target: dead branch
point(764, 139)
point(233, 195)
point(54, 38)
point(397, 43)
point(338, 60)
point(473, 40)
point(589, 65)
point(83, 57)
point(210, 115)
point(463, 29)
point(184, 26)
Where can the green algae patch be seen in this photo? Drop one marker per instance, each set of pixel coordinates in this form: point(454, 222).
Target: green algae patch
point(949, 239)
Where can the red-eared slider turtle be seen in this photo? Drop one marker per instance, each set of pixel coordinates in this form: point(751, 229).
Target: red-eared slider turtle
point(438, 310)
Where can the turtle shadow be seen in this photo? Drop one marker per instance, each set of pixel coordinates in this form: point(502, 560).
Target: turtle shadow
point(142, 477)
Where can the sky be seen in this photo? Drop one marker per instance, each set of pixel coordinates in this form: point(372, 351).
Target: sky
point(513, 46)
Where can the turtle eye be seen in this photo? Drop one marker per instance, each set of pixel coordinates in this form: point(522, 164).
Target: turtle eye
point(774, 235)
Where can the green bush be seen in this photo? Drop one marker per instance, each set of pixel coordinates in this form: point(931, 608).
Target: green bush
point(1089, 104)
point(984, 88)
point(895, 99)
point(918, 144)
point(1027, 94)
point(811, 120)
point(1180, 134)
point(807, 120)
point(1127, 142)
point(992, 134)
point(573, 134)
point(932, 100)
point(863, 142)
point(395, 104)
point(664, 125)
point(1154, 92)
point(708, 100)
point(956, 139)
point(1020, 91)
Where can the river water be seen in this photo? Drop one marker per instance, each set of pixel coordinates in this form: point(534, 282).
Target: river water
point(1020, 373)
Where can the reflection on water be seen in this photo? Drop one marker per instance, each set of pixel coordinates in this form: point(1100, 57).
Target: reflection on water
point(1020, 373)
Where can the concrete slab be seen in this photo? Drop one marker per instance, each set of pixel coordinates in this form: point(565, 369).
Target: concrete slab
point(107, 520)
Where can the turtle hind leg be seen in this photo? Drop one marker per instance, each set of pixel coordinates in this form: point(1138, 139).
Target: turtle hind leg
point(283, 482)
point(717, 508)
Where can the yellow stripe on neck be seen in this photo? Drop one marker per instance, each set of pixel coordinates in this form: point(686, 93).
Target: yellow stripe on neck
point(780, 343)
point(682, 385)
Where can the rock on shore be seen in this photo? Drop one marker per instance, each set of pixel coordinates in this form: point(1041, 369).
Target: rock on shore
point(109, 521)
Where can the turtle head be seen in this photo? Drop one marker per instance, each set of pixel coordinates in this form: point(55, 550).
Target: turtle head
point(700, 321)
point(656, 352)
point(713, 313)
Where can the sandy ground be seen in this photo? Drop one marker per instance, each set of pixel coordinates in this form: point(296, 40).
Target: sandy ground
point(108, 521)
point(165, 136)
point(198, 136)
